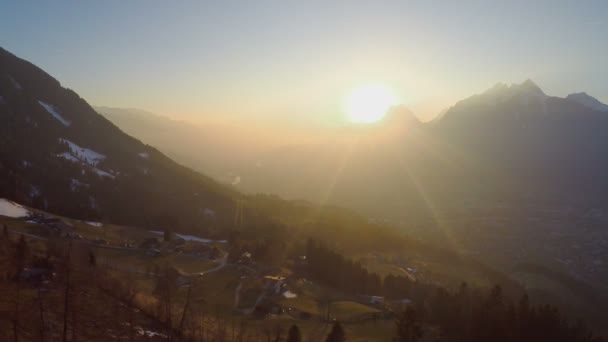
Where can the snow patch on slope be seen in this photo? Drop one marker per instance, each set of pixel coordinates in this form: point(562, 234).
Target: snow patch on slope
point(53, 111)
point(12, 209)
point(68, 156)
point(144, 155)
point(84, 154)
point(103, 173)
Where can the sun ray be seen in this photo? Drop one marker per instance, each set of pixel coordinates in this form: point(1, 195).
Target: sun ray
point(336, 175)
point(428, 202)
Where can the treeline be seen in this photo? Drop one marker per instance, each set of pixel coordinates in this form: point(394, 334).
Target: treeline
point(335, 270)
point(468, 314)
point(472, 315)
point(55, 290)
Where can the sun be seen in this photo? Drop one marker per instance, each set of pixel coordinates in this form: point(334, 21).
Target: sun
point(369, 103)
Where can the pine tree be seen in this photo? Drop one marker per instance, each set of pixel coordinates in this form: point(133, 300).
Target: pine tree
point(92, 259)
point(408, 327)
point(294, 334)
point(336, 334)
point(21, 255)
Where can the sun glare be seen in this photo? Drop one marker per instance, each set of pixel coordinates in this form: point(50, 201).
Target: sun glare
point(369, 103)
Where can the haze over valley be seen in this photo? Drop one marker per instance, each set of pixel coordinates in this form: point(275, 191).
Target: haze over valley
point(453, 178)
point(287, 172)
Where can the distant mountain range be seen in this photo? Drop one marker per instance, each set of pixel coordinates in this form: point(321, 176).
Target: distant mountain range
point(496, 175)
point(508, 142)
point(532, 140)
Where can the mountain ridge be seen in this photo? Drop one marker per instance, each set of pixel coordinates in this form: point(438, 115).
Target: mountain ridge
point(514, 127)
point(59, 154)
point(588, 101)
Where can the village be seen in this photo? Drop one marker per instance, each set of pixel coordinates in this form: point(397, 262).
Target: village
point(238, 284)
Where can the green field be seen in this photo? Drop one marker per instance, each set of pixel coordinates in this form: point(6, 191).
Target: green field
point(345, 311)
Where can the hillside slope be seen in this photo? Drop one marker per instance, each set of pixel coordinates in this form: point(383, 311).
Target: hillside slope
point(58, 154)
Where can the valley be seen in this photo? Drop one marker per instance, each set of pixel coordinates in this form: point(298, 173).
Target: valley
point(232, 289)
point(524, 200)
point(485, 224)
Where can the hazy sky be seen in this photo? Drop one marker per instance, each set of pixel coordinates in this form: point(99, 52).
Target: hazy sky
point(298, 59)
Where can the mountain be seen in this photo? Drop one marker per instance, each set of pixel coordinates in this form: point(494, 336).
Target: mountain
point(289, 161)
point(497, 175)
point(588, 101)
point(531, 139)
point(58, 154)
point(217, 149)
point(502, 143)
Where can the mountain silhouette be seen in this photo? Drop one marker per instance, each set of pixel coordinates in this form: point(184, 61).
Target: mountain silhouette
point(508, 142)
point(58, 154)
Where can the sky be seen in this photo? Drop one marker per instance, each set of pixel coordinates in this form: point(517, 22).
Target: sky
point(297, 60)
